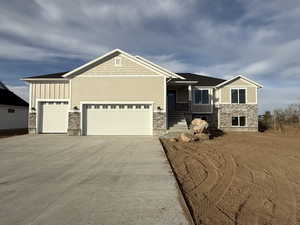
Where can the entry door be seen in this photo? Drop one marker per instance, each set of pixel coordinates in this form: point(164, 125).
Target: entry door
point(53, 117)
point(171, 100)
point(117, 119)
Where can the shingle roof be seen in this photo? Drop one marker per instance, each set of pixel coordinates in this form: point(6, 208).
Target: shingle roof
point(51, 75)
point(202, 80)
point(9, 98)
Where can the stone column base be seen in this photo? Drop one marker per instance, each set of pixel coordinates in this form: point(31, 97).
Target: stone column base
point(159, 123)
point(74, 124)
point(32, 129)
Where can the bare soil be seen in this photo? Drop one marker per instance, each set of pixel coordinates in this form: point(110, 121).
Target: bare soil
point(240, 178)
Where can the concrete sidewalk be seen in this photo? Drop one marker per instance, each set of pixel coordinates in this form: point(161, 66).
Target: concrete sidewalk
point(62, 180)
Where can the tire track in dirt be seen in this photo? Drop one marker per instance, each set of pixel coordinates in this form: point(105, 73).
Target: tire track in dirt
point(209, 190)
point(284, 199)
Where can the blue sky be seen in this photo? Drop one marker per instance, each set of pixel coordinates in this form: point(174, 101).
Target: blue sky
point(222, 38)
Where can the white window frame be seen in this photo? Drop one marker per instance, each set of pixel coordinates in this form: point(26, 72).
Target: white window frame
point(120, 61)
point(238, 88)
point(194, 98)
point(246, 121)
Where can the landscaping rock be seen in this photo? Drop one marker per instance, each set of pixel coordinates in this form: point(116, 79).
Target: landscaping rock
point(198, 126)
point(184, 138)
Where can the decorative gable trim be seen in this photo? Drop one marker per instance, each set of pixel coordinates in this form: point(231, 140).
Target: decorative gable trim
point(138, 60)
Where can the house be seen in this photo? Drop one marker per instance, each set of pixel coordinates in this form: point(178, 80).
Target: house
point(122, 94)
point(13, 110)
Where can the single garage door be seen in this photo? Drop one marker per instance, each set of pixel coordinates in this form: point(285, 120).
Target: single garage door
point(117, 119)
point(53, 117)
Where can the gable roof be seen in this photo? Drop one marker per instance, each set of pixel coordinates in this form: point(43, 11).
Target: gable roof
point(199, 79)
point(9, 98)
point(237, 77)
point(136, 59)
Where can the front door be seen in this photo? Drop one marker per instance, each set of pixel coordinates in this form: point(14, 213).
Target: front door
point(171, 100)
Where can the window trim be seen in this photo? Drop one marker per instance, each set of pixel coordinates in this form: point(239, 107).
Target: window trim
point(238, 116)
point(120, 60)
point(238, 88)
point(201, 89)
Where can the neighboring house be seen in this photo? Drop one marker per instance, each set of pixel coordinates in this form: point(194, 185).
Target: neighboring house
point(13, 110)
point(121, 94)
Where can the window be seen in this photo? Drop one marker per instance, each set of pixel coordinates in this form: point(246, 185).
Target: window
point(238, 96)
point(201, 97)
point(11, 110)
point(238, 121)
point(118, 61)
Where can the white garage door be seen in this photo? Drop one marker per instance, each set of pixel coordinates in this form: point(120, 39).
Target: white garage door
point(53, 117)
point(117, 119)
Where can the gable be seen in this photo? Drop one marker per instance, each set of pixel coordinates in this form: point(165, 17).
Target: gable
point(240, 82)
point(107, 66)
point(135, 65)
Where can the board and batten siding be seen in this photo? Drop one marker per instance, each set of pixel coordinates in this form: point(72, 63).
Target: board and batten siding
point(225, 94)
point(48, 90)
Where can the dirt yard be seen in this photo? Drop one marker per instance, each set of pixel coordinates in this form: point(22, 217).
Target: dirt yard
point(246, 179)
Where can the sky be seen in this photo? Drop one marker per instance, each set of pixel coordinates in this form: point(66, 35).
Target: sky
point(220, 38)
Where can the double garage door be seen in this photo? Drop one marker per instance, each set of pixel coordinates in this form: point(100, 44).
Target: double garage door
point(98, 119)
point(117, 119)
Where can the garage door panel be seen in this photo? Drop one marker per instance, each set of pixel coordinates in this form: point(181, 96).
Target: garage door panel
point(54, 117)
point(121, 120)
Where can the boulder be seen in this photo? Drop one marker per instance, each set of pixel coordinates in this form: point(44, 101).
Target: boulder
point(172, 139)
point(198, 125)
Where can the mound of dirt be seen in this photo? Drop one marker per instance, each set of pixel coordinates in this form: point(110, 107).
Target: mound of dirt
point(246, 179)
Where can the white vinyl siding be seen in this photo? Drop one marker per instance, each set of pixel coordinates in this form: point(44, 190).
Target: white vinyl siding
point(13, 117)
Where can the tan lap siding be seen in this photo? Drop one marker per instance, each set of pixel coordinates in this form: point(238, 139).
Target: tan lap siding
point(48, 90)
point(107, 67)
point(108, 89)
point(240, 83)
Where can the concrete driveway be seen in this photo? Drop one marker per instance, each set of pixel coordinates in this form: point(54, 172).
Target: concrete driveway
point(62, 180)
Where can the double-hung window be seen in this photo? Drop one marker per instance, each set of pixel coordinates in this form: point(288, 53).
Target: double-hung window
point(238, 121)
point(201, 96)
point(238, 95)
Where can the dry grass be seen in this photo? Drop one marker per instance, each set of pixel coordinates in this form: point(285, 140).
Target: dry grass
point(247, 179)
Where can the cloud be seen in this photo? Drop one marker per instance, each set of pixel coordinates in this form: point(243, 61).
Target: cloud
point(259, 39)
point(21, 91)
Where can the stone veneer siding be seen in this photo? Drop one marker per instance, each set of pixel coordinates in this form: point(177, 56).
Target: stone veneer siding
point(74, 124)
point(159, 123)
point(32, 129)
point(227, 111)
